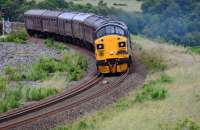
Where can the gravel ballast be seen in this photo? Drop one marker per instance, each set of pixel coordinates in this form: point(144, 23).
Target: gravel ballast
point(13, 54)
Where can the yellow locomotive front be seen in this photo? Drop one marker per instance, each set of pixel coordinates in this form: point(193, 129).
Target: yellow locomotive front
point(112, 49)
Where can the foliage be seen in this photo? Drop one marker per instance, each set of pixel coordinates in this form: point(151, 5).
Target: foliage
point(40, 93)
point(186, 124)
point(153, 90)
point(172, 20)
point(50, 43)
point(74, 64)
point(3, 83)
point(194, 49)
point(153, 62)
point(18, 37)
point(14, 97)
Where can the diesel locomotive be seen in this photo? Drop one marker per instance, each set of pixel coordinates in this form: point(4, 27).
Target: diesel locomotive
point(108, 38)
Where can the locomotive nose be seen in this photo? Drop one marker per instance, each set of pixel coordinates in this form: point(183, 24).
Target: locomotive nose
point(112, 53)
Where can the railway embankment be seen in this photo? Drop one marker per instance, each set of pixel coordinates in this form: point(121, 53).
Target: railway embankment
point(169, 99)
point(31, 70)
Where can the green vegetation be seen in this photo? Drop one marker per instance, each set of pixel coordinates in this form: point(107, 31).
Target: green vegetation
point(14, 97)
point(3, 83)
point(17, 37)
point(173, 20)
point(194, 49)
point(153, 62)
point(50, 43)
point(153, 90)
point(186, 124)
point(71, 66)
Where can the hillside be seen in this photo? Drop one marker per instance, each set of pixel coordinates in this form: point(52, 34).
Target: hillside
point(127, 5)
point(178, 110)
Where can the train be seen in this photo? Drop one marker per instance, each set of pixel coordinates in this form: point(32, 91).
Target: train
point(108, 38)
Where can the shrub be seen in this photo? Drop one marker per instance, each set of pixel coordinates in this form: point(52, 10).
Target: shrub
point(153, 62)
point(164, 78)
point(3, 83)
point(12, 73)
point(186, 124)
point(153, 90)
point(40, 93)
point(194, 49)
point(50, 43)
point(18, 37)
point(14, 97)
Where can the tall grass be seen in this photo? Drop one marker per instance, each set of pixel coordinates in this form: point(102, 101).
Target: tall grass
point(195, 49)
point(17, 37)
point(50, 43)
point(73, 64)
point(3, 83)
point(186, 124)
point(153, 90)
point(14, 97)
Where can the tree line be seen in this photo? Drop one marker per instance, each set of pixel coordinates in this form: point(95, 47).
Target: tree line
point(176, 21)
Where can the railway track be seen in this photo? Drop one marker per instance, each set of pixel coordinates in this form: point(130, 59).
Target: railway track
point(17, 118)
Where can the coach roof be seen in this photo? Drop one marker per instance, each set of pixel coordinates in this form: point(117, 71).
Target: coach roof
point(67, 15)
point(82, 16)
point(49, 13)
point(34, 12)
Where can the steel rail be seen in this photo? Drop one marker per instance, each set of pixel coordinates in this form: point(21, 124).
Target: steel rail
point(107, 89)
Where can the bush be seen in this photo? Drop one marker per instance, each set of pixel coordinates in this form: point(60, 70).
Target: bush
point(18, 37)
point(164, 78)
point(40, 93)
point(14, 97)
point(186, 124)
point(153, 90)
point(3, 83)
point(50, 43)
point(194, 49)
point(153, 62)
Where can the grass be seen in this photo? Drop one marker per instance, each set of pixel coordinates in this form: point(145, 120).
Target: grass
point(130, 5)
point(182, 102)
point(195, 50)
point(153, 90)
point(49, 72)
point(74, 64)
point(14, 97)
point(50, 43)
point(17, 37)
point(3, 83)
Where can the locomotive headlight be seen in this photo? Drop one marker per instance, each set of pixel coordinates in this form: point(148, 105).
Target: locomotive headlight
point(122, 44)
point(100, 46)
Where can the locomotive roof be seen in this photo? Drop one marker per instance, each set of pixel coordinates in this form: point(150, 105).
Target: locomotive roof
point(95, 21)
point(35, 12)
point(50, 13)
point(67, 15)
point(82, 16)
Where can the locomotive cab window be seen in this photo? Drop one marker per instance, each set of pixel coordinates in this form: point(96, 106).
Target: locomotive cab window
point(109, 30)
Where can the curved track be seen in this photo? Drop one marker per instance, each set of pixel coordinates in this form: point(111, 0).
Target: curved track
point(12, 122)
